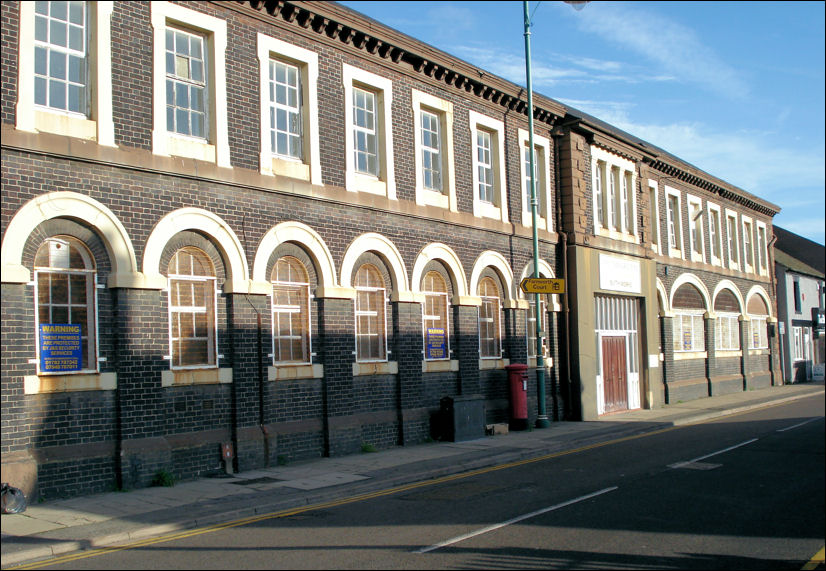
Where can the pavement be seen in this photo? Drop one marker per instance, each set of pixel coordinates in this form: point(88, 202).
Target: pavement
point(60, 527)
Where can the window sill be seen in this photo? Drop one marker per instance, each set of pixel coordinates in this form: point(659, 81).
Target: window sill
point(440, 366)
point(369, 184)
point(185, 377)
point(435, 198)
point(65, 124)
point(549, 362)
point(762, 351)
point(289, 372)
point(690, 355)
point(493, 363)
point(290, 168)
point(180, 146)
point(378, 368)
point(44, 384)
point(723, 353)
point(617, 235)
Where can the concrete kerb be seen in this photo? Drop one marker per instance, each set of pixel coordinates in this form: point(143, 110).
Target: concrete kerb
point(380, 479)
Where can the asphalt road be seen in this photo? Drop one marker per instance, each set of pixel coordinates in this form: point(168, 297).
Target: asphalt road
point(743, 492)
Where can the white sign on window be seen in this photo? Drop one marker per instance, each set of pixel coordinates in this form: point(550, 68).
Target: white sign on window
point(619, 274)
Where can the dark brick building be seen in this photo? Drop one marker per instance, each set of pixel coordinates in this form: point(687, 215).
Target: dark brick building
point(285, 228)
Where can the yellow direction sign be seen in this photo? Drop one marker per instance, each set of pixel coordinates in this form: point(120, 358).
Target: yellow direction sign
point(543, 285)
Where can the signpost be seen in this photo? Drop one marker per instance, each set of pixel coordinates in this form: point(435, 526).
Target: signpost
point(542, 285)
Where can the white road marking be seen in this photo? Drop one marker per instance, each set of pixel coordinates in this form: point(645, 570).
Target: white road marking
point(514, 520)
point(682, 464)
point(798, 424)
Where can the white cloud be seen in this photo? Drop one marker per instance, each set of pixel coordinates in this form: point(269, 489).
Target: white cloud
point(676, 49)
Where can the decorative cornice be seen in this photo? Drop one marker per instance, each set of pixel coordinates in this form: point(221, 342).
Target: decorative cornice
point(337, 23)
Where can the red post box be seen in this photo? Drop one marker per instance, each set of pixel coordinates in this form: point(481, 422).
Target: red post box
point(518, 381)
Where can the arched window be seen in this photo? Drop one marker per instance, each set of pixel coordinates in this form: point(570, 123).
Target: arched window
point(435, 316)
point(758, 314)
point(727, 332)
point(371, 324)
point(290, 311)
point(531, 325)
point(490, 339)
point(689, 326)
point(192, 321)
point(65, 278)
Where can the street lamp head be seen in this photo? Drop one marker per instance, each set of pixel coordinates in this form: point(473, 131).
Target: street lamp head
point(577, 4)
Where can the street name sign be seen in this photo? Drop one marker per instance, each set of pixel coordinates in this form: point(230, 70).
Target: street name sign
point(542, 285)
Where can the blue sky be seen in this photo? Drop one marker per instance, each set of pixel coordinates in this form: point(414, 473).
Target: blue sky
point(734, 88)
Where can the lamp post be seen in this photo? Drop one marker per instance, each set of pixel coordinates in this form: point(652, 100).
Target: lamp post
point(542, 415)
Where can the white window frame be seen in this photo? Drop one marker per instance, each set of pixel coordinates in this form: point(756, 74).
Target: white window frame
point(748, 244)
point(215, 149)
point(762, 247)
point(733, 262)
point(797, 344)
point(616, 195)
point(499, 208)
point(761, 323)
point(385, 183)
point(734, 320)
point(378, 294)
point(693, 314)
point(695, 228)
point(530, 332)
point(213, 343)
point(542, 153)
point(99, 125)
point(444, 110)
point(675, 223)
point(276, 309)
point(714, 213)
point(309, 167)
point(93, 326)
point(426, 318)
point(654, 213)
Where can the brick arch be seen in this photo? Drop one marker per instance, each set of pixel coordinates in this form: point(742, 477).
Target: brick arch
point(694, 281)
point(305, 237)
point(448, 257)
point(387, 251)
point(500, 265)
point(210, 224)
point(65, 204)
point(727, 286)
point(761, 293)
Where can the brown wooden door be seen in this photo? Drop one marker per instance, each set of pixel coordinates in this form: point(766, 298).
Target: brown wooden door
point(614, 374)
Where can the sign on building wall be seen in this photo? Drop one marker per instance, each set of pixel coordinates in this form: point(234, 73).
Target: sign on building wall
point(436, 345)
point(61, 348)
point(619, 274)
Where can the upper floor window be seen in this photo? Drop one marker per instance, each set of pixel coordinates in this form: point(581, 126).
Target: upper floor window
point(489, 198)
point(186, 104)
point(614, 181)
point(654, 215)
point(60, 56)
point(490, 338)
point(675, 231)
point(65, 281)
point(435, 315)
point(695, 228)
point(715, 234)
point(192, 313)
point(371, 323)
point(748, 245)
point(435, 178)
point(288, 79)
point(369, 142)
point(731, 231)
point(285, 110)
point(540, 178)
point(64, 68)
point(762, 250)
point(189, 84)
point(290, 311)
